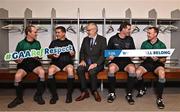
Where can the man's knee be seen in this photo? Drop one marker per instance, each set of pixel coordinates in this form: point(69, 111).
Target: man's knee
point(161, 74)
point(112, 68)
point(130, 68)
point(139, 73)
point(160, 71)
point(18, 77)
point(51, 70)
point(41, 71)
point(70, 69)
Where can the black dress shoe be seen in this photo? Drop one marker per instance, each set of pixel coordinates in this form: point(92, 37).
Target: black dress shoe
point(17, 101)
point(53, 100)
point(39, 100)
point(97, 97)
point(68, 98)
point(83, 96)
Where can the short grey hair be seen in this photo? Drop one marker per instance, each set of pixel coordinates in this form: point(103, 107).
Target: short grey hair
point(94, 24)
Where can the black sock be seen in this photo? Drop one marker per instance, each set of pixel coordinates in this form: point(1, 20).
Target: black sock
point(160, 89)
point(40, 87)
point(140, 84)
point(130, 84)
point(112, 84)
point(70, 82)
point(51, 83)
point(19, 90)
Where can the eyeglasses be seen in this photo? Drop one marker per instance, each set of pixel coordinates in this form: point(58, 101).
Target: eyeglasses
point(88, 30)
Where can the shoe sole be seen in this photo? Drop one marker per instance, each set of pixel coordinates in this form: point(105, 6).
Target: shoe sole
point(83, 99)
point(109, 101)
point(17, 104)
point(38, 102)
point(161, 107)
point(68, 101)
point(54, 102)
point(131, 103)
point(139, 96)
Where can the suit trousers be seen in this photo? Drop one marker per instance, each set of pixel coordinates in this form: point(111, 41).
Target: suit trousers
point(81, 70)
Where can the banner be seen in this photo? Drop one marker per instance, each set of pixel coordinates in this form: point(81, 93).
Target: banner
point(116, 53)
point(139, 53)
point(37, 53)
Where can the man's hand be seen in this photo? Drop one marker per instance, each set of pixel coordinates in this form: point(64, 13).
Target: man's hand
point(163, 60)
point(155, 58)
point(72, 53)
point(92, 66)
point(143, 58)
point(82, 63)
point(56, 55)
point(53, 56)
point(111, 58)
point(19, 60)
point(37, 58)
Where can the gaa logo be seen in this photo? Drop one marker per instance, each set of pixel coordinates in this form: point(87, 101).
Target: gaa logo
point(124, 53)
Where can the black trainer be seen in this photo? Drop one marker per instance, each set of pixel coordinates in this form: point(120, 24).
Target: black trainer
point(68, 98)
point(141, 92)
point(17, 101)
point(130, 99)
point(160, 103)
point(53, 100)
point(111, 97)
point(39, 100)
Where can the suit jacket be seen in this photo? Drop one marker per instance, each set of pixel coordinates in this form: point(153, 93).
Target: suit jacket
point(96, 54)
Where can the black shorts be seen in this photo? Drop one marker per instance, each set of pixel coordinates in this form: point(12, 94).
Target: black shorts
point(29, 64)
point(122, 64)
point(61, 65)
point(151, 66)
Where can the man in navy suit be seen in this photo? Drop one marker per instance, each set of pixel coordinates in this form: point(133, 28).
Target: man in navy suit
point(91, 61)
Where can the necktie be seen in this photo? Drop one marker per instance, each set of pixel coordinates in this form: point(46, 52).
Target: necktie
point(91, 42)
point(89, 61)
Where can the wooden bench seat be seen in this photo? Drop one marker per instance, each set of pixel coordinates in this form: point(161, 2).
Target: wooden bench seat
point(171, 73)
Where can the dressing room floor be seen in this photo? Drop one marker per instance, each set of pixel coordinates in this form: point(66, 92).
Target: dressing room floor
point(171, 98)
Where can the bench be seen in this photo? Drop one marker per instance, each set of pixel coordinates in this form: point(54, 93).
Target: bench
point(171, 74)
point(7, 74)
